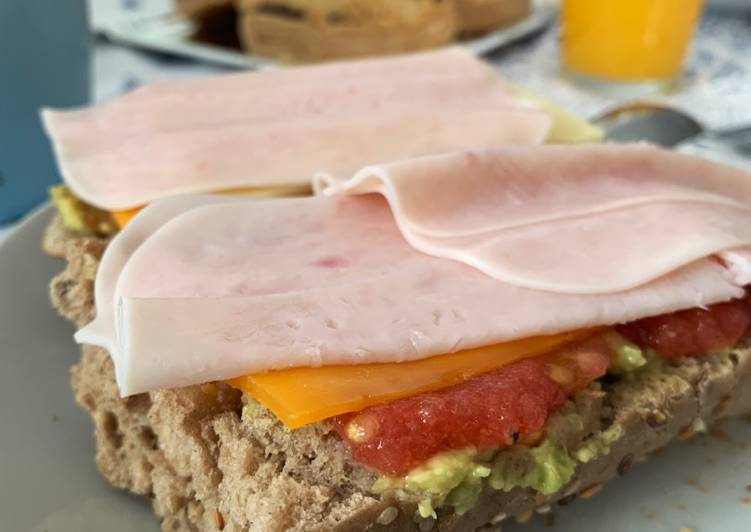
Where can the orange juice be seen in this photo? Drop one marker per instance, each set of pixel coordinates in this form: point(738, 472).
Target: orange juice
point(628, 40)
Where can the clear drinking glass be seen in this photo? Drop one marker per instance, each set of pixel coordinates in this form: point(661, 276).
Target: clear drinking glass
point(628, 47)
point(44, 61)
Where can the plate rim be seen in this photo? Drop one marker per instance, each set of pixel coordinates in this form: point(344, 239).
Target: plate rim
point(27, 220)
point(134, 33)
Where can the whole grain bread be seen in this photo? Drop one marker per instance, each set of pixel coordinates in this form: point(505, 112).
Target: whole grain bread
point(56, 238)
point(207, 467)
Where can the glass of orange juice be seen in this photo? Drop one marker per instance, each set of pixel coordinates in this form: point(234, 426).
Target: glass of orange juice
point(627, 47)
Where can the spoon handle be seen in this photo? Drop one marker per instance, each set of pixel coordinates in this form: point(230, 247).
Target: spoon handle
point(736, 139)
point(716, 152)
point(733, 135)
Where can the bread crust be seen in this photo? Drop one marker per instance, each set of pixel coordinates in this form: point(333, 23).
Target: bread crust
point(208, 468)
point(480, 16)
point(56, 238)
point(201, 8)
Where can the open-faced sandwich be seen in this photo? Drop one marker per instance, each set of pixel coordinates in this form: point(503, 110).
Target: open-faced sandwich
point(440, 342)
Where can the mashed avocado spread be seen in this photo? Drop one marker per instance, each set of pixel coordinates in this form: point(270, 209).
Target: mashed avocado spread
point(545, 468)
point(455, 478)
point(627, 356)
point(599, 444)
point(80, 217)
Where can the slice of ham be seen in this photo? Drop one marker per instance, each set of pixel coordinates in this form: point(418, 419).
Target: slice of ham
point(398, 314)
point(526, 215)
point(172, 104)
point(141, 170)
point(91, 130)
point(738, 261)
point(261, 129)
point(197, 290)
point(225, 290)
point(169, 107)
point(119, 251)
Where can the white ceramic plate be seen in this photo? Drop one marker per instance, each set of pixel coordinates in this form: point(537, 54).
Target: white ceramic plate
point(48, 480)
point(169, 32)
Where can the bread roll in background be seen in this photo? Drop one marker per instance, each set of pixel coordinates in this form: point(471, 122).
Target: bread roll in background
point(299, 31)
point(480, 16)
point(307, 31)
point(202, 8)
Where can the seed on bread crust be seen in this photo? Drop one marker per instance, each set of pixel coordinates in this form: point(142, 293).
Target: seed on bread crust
point(722, 405)
point(497, 518)
point(591, 491)
point(625, 464)
point(696, 426)
point(656, 419)
point(387, 515)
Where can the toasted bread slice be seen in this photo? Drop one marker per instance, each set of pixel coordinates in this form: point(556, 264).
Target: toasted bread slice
point(207, 466)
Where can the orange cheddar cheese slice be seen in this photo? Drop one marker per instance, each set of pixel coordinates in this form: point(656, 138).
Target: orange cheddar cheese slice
point(299, 396)
point(123, 217)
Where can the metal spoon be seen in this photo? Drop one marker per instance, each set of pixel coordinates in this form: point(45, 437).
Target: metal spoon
point(668, 127)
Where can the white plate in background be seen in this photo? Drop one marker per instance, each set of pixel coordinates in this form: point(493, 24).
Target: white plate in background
point(165, 31)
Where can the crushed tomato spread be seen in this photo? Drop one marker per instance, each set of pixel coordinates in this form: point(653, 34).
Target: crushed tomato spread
point(492, 410)
point(692, 332)
point(513, 403)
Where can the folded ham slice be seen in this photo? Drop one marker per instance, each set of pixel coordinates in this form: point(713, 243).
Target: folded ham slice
point(202, 288)
point(118, 253)
point(526, 215)
point(276, 128)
